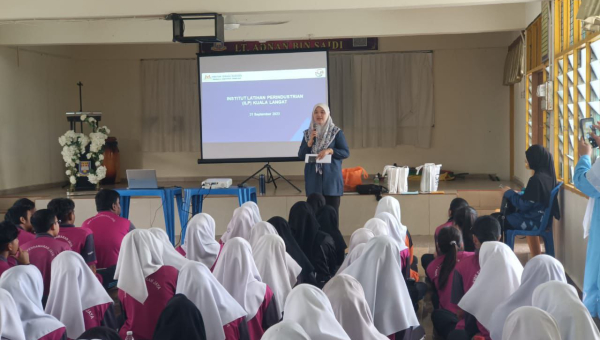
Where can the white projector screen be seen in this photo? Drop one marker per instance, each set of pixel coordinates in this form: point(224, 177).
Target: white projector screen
point(255, 107)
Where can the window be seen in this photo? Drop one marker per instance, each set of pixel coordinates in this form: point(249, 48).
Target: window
point(576, 86)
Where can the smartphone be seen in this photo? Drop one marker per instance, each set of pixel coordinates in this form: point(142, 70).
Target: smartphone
point(586, 126)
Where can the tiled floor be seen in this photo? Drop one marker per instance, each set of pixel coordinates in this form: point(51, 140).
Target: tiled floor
point(426, 245)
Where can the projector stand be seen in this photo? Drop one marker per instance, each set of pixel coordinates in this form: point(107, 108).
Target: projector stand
point(269, 178)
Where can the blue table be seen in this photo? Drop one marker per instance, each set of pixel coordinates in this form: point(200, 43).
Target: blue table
point(195, 196)
point(168, 197)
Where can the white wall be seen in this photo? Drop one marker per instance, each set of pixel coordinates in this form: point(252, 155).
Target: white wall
point(471, 107)
point(35, 92)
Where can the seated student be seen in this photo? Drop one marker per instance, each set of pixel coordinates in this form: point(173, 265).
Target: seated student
point(45, 247)
point(240, 225)
point(377, 226)
point(224, 318)
point(500, 273)
point(170, 256)
point(9, 247)
point(463, 220)
point(485, 229)
point(350, 307)
point(76, 297)
point(525, 211)
point(378, 271)
point(11, 326)
point(26, 286)
point(81, 240)
point(398, 234)
point(531, 323)
point(200, 244)
point(237, 272)
point(561, 301)
point(316, 201)
point(145, 283)
point(538, 270)
point(286, 330)
point(255, 211)
point(181, 319)
point(21, 217)
point(327, 217)
point(441, 273)
point(352, 256)
point(310, 308)
point(318, 246)
point(274, 267)
point(108, 229)
point(307, 275)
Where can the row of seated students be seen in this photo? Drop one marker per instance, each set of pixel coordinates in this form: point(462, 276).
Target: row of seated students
point(268, 280)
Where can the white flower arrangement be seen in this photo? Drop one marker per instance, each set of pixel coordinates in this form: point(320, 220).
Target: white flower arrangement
point(74, 145)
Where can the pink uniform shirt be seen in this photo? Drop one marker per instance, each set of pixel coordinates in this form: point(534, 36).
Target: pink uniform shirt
point(42, 250)
point(433, 272)
point(141, 319)
point(81, 241)
point(108, 229)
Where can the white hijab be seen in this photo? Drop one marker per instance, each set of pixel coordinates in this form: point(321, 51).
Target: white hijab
point(391, 205)
point(530, 323)
point(309, 307)
point(287, 330)
point(538, 270)
point(10, 322)
point(396, 232)
point(73, 289)
point(270, 259)
point(217, 306)
point(379, 271)
point(171, 257)
point(240, 225)
point(562, 302)
point(259, 230)
point(26, 285)
point(377, 226)
point(255, 210)
point(359, 236)
point(141, 255)
point(352, 256)
point(200, 244)
point(237, 272)
point(350, 307)
point(498, 279)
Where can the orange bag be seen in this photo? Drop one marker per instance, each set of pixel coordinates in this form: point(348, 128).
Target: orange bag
point(353, 177)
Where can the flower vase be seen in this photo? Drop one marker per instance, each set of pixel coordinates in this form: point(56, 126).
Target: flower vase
point(71, 187)
point(98, 186)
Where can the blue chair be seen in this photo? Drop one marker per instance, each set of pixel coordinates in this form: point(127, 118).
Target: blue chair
point(545, 230)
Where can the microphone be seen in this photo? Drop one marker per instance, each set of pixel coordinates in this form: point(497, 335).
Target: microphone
point(314, 129)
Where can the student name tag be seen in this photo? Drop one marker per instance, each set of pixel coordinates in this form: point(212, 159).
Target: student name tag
point(312, 158)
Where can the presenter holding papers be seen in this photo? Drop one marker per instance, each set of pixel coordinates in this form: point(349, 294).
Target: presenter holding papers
point(323, 148)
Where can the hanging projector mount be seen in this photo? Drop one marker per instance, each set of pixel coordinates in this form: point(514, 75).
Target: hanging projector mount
point(179, 21)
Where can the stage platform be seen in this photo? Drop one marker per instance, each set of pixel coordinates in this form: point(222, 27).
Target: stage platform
point(421, 213)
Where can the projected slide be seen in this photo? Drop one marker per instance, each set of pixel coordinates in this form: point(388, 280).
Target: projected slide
point(257, 106)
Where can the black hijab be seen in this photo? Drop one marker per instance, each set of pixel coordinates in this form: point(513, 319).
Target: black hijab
point(291, 246)
point(328, 221)
point(316, 201)
point(180, 320)
point(542, 182)
point(101, 333)
point(305, 229)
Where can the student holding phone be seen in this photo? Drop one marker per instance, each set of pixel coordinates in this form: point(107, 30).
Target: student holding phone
point(587, 180)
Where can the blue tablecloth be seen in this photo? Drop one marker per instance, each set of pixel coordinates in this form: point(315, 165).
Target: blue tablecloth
point(168, 196)
point(195, 196)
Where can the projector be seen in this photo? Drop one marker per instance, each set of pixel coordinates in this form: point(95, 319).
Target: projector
point(216, 183)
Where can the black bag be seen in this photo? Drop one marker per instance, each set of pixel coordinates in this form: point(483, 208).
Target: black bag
point(372, 189)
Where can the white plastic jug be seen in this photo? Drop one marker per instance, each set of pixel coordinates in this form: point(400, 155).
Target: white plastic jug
point(397, 178)
point(430, 177)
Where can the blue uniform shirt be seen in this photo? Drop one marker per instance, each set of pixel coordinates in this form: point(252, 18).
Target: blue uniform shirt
point(330, 183)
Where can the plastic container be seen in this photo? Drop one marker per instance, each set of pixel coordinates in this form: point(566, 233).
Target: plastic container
point(129, 335)
point(262, 186)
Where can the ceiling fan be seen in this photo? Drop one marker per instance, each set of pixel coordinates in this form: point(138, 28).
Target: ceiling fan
point(231, 23)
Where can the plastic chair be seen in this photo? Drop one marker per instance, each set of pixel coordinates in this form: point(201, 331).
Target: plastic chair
point(545, 230)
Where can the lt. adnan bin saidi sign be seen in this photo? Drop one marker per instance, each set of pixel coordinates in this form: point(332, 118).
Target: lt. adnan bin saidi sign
point(346, 44)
